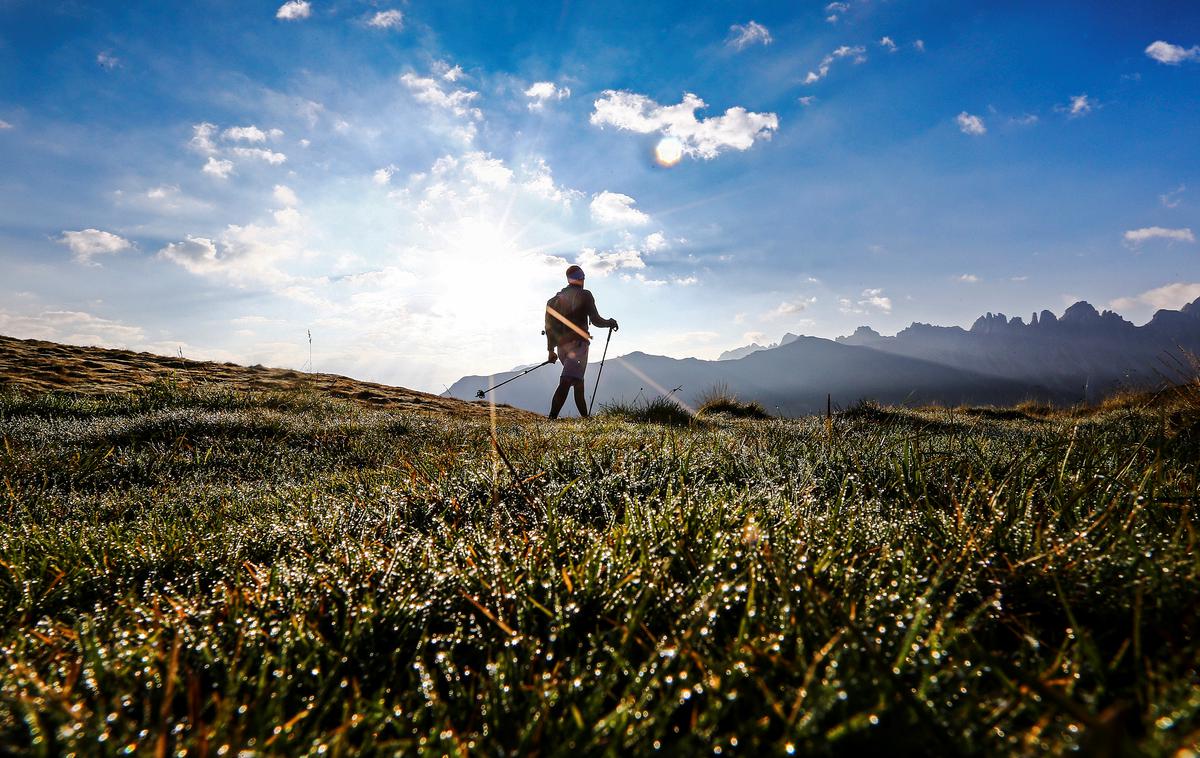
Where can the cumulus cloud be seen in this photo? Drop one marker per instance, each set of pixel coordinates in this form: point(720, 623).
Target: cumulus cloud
point(285, 196)
point(217, 167)
point(262, 154)
point(487, 170)
point(245, 134)
point(244, 256)
point(968, 279)
point(86, 244)
point(5, 125)
point(871, 300)
point(202, 138)
point(602, 264)
point(542, 92)
point(431, 92)
point(539, 181)
point(1172, 55)
point(1171, 296)
point(71, 327)
point(383, 175)
point(1136, 237)
point(969, 124)
point(845, 51)
point(294, 10)
point(737, 129)
point(742, 36)
point(615, 209)
point(888, 44)
point(390, 19)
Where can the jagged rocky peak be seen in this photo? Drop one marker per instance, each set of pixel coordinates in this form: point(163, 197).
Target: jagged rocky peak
point(863, 335)
point(1047, 317)
point(994, 322)
point(1192, 308)
point(1082, 312)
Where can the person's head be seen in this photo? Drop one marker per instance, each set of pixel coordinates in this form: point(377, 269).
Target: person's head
point(575, 275)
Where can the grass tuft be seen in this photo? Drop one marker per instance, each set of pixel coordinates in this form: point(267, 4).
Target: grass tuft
point(720, 400)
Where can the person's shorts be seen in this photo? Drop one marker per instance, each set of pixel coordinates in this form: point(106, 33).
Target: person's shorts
point(573, 356)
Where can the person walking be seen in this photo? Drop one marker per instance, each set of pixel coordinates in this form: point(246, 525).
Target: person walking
point(567, 337)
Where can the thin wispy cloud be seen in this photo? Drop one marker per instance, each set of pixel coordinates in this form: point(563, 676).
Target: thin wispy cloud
point(737, 129)
point(742, 36)
point(1172, 296)
point(1174, 198)
point(107, 61)
point(857, 52)
point(389, 19)
point(969, 279)
point(431, 92)
point(5, 125)
point(1078, 105)
point(889, 44)
point(835, 10)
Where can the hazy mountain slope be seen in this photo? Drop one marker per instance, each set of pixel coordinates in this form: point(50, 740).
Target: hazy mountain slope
point(792, 380)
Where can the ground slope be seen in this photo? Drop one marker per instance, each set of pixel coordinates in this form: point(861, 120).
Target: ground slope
point(34, 365)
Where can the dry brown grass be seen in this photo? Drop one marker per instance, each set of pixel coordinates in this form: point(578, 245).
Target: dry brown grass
point(37, 366)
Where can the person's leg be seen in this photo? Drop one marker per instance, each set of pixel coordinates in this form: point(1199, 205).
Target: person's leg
point(560, 396)
point(580, 401)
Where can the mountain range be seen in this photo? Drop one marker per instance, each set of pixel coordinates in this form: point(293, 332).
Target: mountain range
point(1079, 356)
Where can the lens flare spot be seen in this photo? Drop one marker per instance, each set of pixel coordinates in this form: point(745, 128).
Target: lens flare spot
point(668, 151)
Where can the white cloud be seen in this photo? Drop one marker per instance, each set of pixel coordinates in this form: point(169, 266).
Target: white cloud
point(245, 133)
point(845, 51)
point(294, 10)
point(539, 181)
point(88, 243)
point(542, 92)
point(429, 91)
point(1028, 119)
point(487, 170)
point(1080, 105)
point(654, 242)
point(221, 169)
point(969, 124)
point(968, 279)
point(269, 156)
point(250, 255)
point(706, 138)
point(807, 100)
point(834, 11)
point(1172, 296)
point(1172, 55)
point(602, 264)
point(383, 175)
point(390, 19)
point(202, 138)
point(1172, 199)
point(790, 308)
point(888, 44)
point(870, 300)
point(919, 46)
point(285, 196)
point(448, 72)
point(5, 125)
point(107, 61)
point(70, 327)
point(742, 36)
point(615, 209)
point(1138, 236)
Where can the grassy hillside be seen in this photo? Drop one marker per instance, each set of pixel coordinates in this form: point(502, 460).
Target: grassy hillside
point(193, 567)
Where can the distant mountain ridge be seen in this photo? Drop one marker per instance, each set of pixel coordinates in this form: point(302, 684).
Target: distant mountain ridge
point(1079, 356)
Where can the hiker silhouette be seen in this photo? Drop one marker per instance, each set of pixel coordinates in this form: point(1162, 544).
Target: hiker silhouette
point(567, 337)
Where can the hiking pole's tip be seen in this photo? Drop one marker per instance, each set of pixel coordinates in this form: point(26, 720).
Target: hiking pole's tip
point(479, 394)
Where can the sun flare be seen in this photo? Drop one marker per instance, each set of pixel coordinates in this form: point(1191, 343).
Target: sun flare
point(668, 152)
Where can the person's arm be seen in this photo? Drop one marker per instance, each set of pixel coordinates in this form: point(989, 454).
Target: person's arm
point(595, 317)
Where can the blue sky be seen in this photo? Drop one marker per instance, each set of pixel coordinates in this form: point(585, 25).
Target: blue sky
point(408, 180)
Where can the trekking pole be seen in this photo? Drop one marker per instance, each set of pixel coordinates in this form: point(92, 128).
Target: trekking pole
point(481, 393)
point(600, 372)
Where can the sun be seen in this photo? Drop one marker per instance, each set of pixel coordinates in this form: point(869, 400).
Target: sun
point(668, 152)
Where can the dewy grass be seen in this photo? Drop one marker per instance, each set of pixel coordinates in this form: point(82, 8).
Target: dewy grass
point(292, 577)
